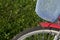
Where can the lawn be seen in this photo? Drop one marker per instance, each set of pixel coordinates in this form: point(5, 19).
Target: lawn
point(17, 16)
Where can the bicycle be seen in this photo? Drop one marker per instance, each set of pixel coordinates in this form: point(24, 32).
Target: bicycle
point(45, 28)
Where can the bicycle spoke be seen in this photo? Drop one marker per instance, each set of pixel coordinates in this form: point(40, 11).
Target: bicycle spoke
point(56, 37)
point(38, 37)
point(43, 36)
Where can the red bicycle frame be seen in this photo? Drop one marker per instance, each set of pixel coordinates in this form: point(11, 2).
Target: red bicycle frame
point(51, 25)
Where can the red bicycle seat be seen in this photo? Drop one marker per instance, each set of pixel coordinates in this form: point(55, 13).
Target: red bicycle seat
point(48, 24)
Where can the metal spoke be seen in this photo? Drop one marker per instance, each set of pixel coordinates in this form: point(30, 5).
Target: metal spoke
point(38, 36)
point(43, 36)
point(56, 37)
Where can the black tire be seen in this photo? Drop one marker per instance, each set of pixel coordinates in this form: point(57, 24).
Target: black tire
point(31, 30)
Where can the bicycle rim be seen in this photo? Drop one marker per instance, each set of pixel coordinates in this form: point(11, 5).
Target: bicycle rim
point(34, 31)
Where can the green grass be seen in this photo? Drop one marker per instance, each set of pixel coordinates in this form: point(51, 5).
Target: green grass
point(16, 16)
point(40, 37)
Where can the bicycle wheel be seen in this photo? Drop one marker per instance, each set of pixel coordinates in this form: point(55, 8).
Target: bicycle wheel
point(43, 34)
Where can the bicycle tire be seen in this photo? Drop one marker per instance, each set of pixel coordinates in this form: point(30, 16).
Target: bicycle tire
point(31, 30)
